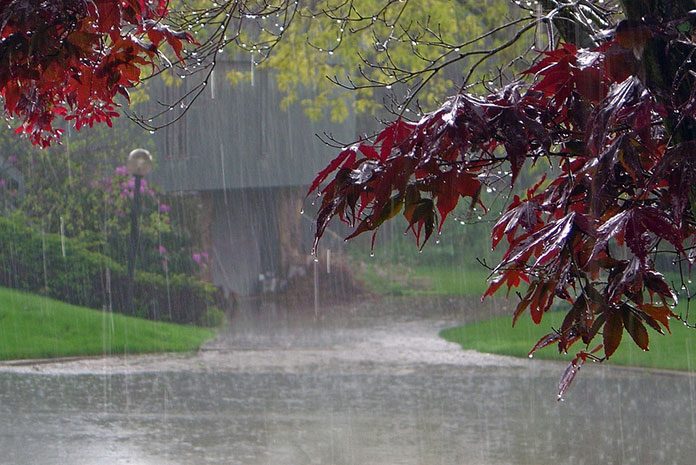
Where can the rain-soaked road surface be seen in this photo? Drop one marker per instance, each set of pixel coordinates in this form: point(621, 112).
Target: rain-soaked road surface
point(364, 384)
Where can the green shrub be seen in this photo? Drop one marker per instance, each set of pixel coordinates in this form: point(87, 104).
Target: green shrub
point(78, 190)
point(212, 318)
point(34, 261)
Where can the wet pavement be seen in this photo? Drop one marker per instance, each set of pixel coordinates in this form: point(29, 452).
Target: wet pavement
point(369, 383)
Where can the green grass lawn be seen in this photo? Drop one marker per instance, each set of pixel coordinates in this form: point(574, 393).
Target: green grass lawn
point(32, 326)
point(424, 280)
point(675, 352)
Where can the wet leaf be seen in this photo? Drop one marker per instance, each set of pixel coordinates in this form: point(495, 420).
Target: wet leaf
point(345, 158)
point(523, 304)
point(613, 329)
point(551, 338)
point(635, 328)
point(569, 375)
point(661, 313)
point(421, 215)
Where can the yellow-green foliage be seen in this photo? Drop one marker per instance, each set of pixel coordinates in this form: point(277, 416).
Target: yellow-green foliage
point(318, 46)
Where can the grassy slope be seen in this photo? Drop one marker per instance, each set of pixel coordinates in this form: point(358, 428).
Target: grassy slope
point(676, 351)
point(423, 280)
point(34, 327)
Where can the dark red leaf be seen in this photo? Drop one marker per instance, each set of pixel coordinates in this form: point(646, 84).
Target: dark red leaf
point(512, 277)
point(551, 338)
point(661, 313)
point(613, 329)
point(635, 328)
point(368, 151)
point(524, 303)
point(347, 155)
point(655, 283)
point(392, 136)
point(421, 215)
point(569, 374)
point(526, 215)
point(614, 109)
point(541, 301)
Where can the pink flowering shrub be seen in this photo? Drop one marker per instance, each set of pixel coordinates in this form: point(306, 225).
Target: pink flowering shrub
point(77, 191)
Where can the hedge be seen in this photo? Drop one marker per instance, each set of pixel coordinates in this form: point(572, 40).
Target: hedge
point(33, 261)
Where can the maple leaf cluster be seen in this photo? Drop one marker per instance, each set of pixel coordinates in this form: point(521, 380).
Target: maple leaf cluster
point(69, 59)
point(622, 186)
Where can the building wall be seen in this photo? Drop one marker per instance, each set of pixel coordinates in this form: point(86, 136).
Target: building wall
point(257, 238)
point(235, 137)
point(251, 161)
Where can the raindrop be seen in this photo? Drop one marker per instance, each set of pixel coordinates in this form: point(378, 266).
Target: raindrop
point(62, 236)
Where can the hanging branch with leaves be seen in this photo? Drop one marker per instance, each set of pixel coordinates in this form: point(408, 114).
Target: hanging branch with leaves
point(620, 136)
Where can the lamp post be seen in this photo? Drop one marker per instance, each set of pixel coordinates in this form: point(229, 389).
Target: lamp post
point(139, 164)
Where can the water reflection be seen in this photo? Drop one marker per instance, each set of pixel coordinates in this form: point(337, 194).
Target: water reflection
point(428, 407)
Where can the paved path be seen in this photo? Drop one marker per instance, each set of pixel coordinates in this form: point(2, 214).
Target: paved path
point(369, 384)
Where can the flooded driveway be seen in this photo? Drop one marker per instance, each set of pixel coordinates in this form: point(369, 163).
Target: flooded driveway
point(364, 384)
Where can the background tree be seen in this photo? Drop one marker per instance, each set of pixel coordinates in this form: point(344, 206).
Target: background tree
point(375, 45)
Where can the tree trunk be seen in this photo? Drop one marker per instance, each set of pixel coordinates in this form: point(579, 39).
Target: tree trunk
point(664, 63)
